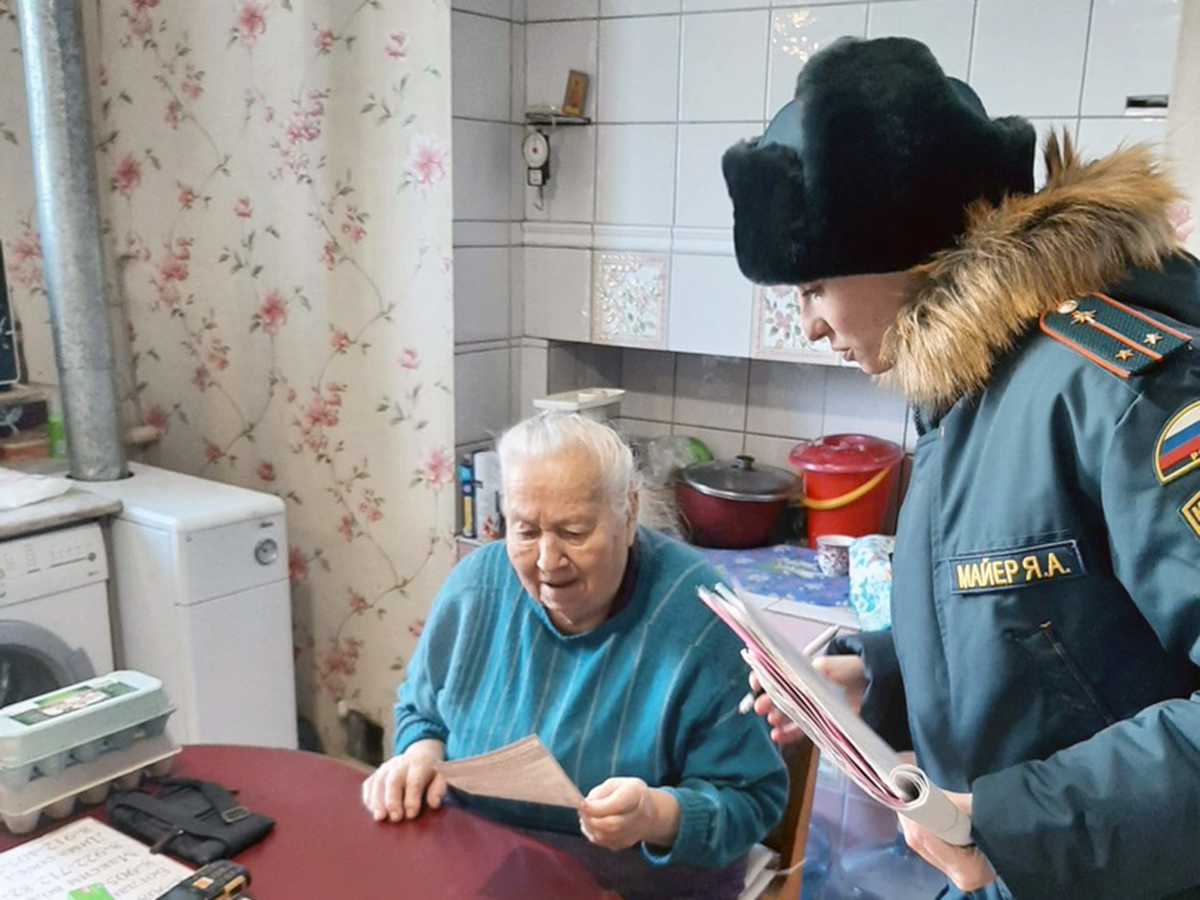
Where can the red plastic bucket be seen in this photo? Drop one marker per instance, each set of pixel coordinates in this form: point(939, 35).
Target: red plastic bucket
point(847, 481)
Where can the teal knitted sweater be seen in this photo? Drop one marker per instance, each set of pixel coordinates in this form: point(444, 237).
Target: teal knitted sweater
point(651, 693)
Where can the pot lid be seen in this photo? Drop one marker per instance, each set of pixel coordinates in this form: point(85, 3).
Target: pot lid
point(740, 478)
point(845, 453)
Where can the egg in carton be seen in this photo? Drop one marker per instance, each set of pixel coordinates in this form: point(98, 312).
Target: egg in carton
point(72, 743)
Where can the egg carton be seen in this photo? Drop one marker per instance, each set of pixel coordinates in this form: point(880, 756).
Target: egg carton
point(85, 783)
point(48, 734)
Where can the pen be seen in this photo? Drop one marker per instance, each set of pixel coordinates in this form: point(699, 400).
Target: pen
point(811, 649)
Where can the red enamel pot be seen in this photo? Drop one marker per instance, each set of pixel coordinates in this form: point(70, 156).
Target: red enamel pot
point(734, 503)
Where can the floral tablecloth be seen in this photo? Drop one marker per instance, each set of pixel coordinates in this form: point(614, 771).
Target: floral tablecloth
point(783, 572)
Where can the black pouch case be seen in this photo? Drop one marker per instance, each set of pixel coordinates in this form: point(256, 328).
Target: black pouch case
point(198, 821)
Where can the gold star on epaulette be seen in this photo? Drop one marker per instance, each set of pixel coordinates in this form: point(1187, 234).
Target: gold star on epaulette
point(1083, 316)
point(1124, 354)
point(1152, 338)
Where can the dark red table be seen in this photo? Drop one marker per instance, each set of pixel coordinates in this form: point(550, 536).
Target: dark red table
point(326, 845)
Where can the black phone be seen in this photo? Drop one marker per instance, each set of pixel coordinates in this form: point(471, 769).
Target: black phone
point(220, 879)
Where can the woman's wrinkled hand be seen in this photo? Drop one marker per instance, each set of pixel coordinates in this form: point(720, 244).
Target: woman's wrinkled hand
point(966, 867)
point(621, 812)
point(403, 785)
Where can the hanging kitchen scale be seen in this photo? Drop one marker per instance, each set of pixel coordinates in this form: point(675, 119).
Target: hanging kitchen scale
point(536, 150)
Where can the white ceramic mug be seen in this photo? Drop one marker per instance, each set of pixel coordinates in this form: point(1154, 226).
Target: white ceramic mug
point(833, 554)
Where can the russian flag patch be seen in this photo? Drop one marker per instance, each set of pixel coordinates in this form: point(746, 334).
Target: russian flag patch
point(1178, 447)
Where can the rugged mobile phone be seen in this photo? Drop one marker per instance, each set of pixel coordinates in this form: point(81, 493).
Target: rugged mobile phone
point(217, 880)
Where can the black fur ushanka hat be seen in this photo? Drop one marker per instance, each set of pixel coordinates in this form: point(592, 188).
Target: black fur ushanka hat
point(871, 167)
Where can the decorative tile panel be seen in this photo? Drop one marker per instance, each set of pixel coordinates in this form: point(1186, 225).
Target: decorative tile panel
point(629, 299)
point(777, 331)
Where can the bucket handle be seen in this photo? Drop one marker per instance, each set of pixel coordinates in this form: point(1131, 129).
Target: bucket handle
point(846, 499)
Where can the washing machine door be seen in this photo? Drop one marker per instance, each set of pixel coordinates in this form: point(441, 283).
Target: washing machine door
point(34, 661)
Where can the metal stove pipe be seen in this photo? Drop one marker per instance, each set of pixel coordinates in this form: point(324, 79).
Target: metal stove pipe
point(64, 162)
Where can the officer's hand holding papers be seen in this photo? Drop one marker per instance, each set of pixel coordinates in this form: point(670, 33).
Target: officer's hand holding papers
point(821, 711)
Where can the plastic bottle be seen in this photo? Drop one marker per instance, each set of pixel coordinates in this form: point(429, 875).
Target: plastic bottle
point(55, 433)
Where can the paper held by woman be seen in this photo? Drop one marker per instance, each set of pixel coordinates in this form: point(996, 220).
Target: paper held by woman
point(523, 770)
point(821, 711)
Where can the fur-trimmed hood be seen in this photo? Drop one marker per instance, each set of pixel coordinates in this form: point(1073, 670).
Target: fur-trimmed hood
point(1089, 227)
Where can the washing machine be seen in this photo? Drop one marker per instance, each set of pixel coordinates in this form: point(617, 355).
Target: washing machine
point(55, 628)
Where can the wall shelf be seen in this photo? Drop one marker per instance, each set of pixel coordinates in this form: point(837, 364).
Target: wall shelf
point(554, 120)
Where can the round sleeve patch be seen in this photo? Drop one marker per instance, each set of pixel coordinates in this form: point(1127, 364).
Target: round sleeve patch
point(1178, 447)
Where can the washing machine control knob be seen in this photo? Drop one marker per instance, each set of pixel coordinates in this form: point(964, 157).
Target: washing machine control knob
point(266, 551)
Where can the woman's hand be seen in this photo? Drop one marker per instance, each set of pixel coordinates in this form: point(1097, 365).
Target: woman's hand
point(621, 812)
point(966, 867)
point(397, 789)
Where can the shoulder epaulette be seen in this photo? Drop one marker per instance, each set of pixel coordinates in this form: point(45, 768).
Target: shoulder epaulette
point(1116, 337)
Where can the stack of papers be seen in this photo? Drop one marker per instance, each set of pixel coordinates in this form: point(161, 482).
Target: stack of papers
point(821, 711)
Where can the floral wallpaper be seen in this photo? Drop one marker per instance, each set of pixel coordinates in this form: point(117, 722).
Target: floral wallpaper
point(276, 202)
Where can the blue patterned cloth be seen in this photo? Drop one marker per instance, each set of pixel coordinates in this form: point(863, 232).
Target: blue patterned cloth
point(871, 580)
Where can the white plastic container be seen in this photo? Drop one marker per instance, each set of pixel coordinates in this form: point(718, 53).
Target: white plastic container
point(592, 403)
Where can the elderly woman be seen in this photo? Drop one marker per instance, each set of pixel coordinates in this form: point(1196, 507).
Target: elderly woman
point(585, 629)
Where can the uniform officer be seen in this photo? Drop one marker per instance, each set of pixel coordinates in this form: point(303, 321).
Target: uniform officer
point(1046, 593)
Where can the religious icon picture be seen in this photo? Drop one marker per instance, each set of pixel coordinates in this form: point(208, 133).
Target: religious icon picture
point(576, 95)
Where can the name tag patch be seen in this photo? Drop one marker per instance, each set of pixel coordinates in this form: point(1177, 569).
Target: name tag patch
point(977, 573)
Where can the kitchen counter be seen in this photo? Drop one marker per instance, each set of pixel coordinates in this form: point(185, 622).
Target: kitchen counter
point(73, 506)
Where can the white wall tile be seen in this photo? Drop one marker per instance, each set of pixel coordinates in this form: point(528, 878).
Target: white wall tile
point(641, 428)
point(482, 169)
point(720, 443)
point(942, 25)
point(481, 281)
point(558, 284)
point(635, 169)
point(575, 366)
point(711, 391)
point(1027, 57)
point(481, 394)
point(570, 194)
point(538, 10)
point(531, 377)
point(552, 50)
point(724, 69)
point(648, 377)
point(639, 69)
point(498, 8)
point(786, 4)
point(770, 451)
point(517, 89)
point(517, 173)
point(1099, 137)
point(855, 404)
point(786, 399)
point(482, 59)
point(1131, 51)
point(516, 290)
point(637, 7)
point(714, 5)
point(701, 197)
point(710, 306)
point(796, 34)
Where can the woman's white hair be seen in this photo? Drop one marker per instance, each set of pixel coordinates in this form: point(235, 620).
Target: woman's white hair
point(550, 433)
